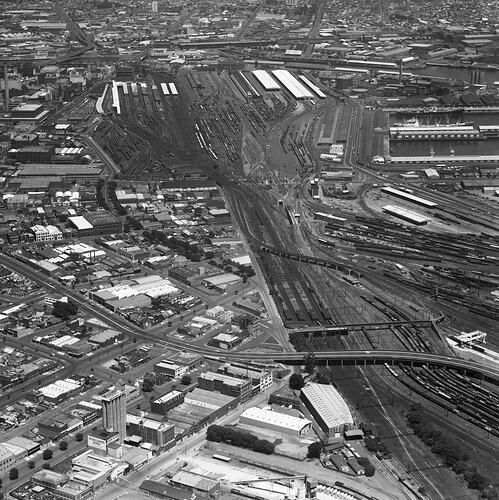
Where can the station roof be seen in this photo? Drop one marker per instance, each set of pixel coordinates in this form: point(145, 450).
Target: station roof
point(267, 82)
point(408, 196)
point(297, 89)
point(406, 214)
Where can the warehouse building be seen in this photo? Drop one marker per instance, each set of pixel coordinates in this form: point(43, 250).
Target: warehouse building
point(230, 386)
point(196, 483)
point(276, 421)
point(327, 408)
point(406, 215)
point(199, 409)
point(260, 378)
point(167, 402)
point(151, 428)
point(60, 389)
point(169, 369)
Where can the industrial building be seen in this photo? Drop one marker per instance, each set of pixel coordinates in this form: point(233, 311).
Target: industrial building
point(166, 491)
point(102, 440)
point(46, 233)
point(169, 369)
point(404, 195)
point(407, 215)
point(443, 133)
point(195, 483)
point(14, 449)
point(276, 421)
point(230, 386)
point(261, 379)
point(327, 408)
point(225, 341)
point(200, 408)
point(151, 428)
point(60, 389)
point(266, 81)
point(292, 85)
point(444, 159)
point(114, 412)
point(168, 401)
point(60, 485)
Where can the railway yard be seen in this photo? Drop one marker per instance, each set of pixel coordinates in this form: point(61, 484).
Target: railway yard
point(327, 261)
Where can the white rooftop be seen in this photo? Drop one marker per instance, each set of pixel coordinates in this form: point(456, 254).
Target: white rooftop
point(276, 418)
point(329, 403)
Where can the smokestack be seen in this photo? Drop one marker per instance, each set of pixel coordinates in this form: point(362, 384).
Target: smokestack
point(6, 83)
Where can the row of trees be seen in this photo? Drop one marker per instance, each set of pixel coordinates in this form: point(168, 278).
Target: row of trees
point(454, 456)
point(301, 342)
point(242, 439)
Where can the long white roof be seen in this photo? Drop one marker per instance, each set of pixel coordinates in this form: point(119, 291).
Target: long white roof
point(267, 82)
point(80, 222)
point(312, 86)
point(328, 402)
point(407, 214)
point(296, 88)
point(275, 418)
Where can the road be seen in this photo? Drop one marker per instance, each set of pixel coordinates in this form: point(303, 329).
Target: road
point(292, 358)
point(184, 449)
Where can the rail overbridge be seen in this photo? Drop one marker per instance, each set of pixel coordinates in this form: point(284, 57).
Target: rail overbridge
point(355, 327)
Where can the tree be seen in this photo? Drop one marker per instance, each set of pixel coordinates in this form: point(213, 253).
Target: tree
point(363, 461)
point(64, 309)
point(477, 481)
point(314, 450)
point(186, 379)
point(47, 454)
point(369, 470)
point(79, 437)
point(63, 445)
point(31, 464)
point(296, 382)
point(13, 474)
point(372, 445)
point(148, 385)
point(46, 465)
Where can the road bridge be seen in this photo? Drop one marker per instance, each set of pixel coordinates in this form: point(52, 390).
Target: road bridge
point(378, 357)
point(339, 266)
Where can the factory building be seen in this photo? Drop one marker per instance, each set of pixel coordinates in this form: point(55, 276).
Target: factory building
point(167, 402)
point(46, 233)
point(260, 378)
point(230, 386)
point(327, 408)
point(114, 412)
point(169, 369)
point(151, 428)
point(276, 421)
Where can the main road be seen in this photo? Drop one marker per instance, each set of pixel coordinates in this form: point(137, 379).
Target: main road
point(296, 358)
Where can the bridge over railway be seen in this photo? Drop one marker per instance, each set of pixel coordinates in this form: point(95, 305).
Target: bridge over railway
point(344, 329)
point(308, 259)
point(363, 358)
